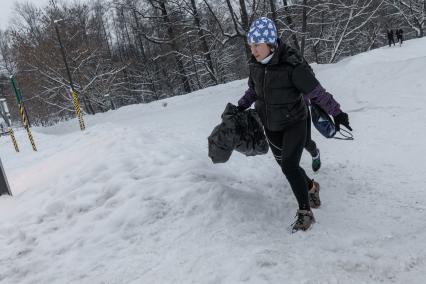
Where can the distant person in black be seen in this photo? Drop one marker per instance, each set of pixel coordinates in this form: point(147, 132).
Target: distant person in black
point(390, 38)
point(399, 37)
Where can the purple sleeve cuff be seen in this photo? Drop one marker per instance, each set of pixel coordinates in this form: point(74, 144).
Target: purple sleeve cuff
point(324, 99)
point(248, 98)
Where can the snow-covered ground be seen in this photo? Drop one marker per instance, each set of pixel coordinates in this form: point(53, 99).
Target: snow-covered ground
point(135, 199)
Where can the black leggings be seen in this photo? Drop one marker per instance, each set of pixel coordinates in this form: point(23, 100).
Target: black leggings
point(310, 145)
point(287, 146)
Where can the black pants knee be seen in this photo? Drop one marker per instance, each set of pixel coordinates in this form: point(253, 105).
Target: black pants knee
point(287, 147)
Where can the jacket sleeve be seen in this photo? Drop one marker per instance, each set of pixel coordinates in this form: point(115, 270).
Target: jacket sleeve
point(249, 96)
point(304, 80)
point(324, 99)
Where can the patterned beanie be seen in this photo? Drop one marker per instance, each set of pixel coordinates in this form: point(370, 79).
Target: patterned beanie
point(262, 30)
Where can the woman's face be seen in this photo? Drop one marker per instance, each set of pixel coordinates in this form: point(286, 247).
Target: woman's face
point(260, 50)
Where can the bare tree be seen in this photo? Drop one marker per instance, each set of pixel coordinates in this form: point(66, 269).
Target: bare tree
point(413, 12)
point(136, 51)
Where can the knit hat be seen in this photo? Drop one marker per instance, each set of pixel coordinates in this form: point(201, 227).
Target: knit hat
point(262, 30)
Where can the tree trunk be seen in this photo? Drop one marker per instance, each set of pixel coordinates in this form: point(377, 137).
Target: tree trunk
point(273, 11)
point(171, 35)
point(289, 21)
point(304, 24)
point(244, 24)
point(204, 45)
point(143, 53)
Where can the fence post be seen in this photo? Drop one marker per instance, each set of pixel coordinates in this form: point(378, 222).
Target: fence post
point(4, 185)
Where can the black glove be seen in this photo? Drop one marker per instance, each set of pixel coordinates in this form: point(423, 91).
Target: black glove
point(240, 108)
point(342, 119)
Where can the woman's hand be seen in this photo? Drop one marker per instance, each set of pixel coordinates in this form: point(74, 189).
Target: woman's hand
point(342, 119)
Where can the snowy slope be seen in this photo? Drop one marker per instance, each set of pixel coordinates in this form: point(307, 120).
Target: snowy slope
point(135, 199)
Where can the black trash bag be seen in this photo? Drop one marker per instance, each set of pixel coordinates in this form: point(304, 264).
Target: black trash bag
point(222, 139)
point(220, 145)
point(241, 131)
point(252, 140)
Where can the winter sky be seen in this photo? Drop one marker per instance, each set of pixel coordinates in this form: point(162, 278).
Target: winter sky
point(7, 10)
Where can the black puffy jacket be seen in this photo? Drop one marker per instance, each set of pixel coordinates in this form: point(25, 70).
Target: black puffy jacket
point(280, 85)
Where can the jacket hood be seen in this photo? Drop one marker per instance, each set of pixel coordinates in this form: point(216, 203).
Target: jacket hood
point(283, 54)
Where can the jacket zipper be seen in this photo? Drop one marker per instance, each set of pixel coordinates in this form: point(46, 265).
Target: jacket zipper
point(264, 96)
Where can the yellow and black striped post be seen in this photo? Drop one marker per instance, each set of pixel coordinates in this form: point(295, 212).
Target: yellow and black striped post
point(73, 92)
point(77, 109)
point(12, 135)
point(26, 125)
point(22, 112)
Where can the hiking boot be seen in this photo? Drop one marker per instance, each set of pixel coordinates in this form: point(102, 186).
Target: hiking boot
point(316, 162)
point(305, 218)
point(314, 199)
